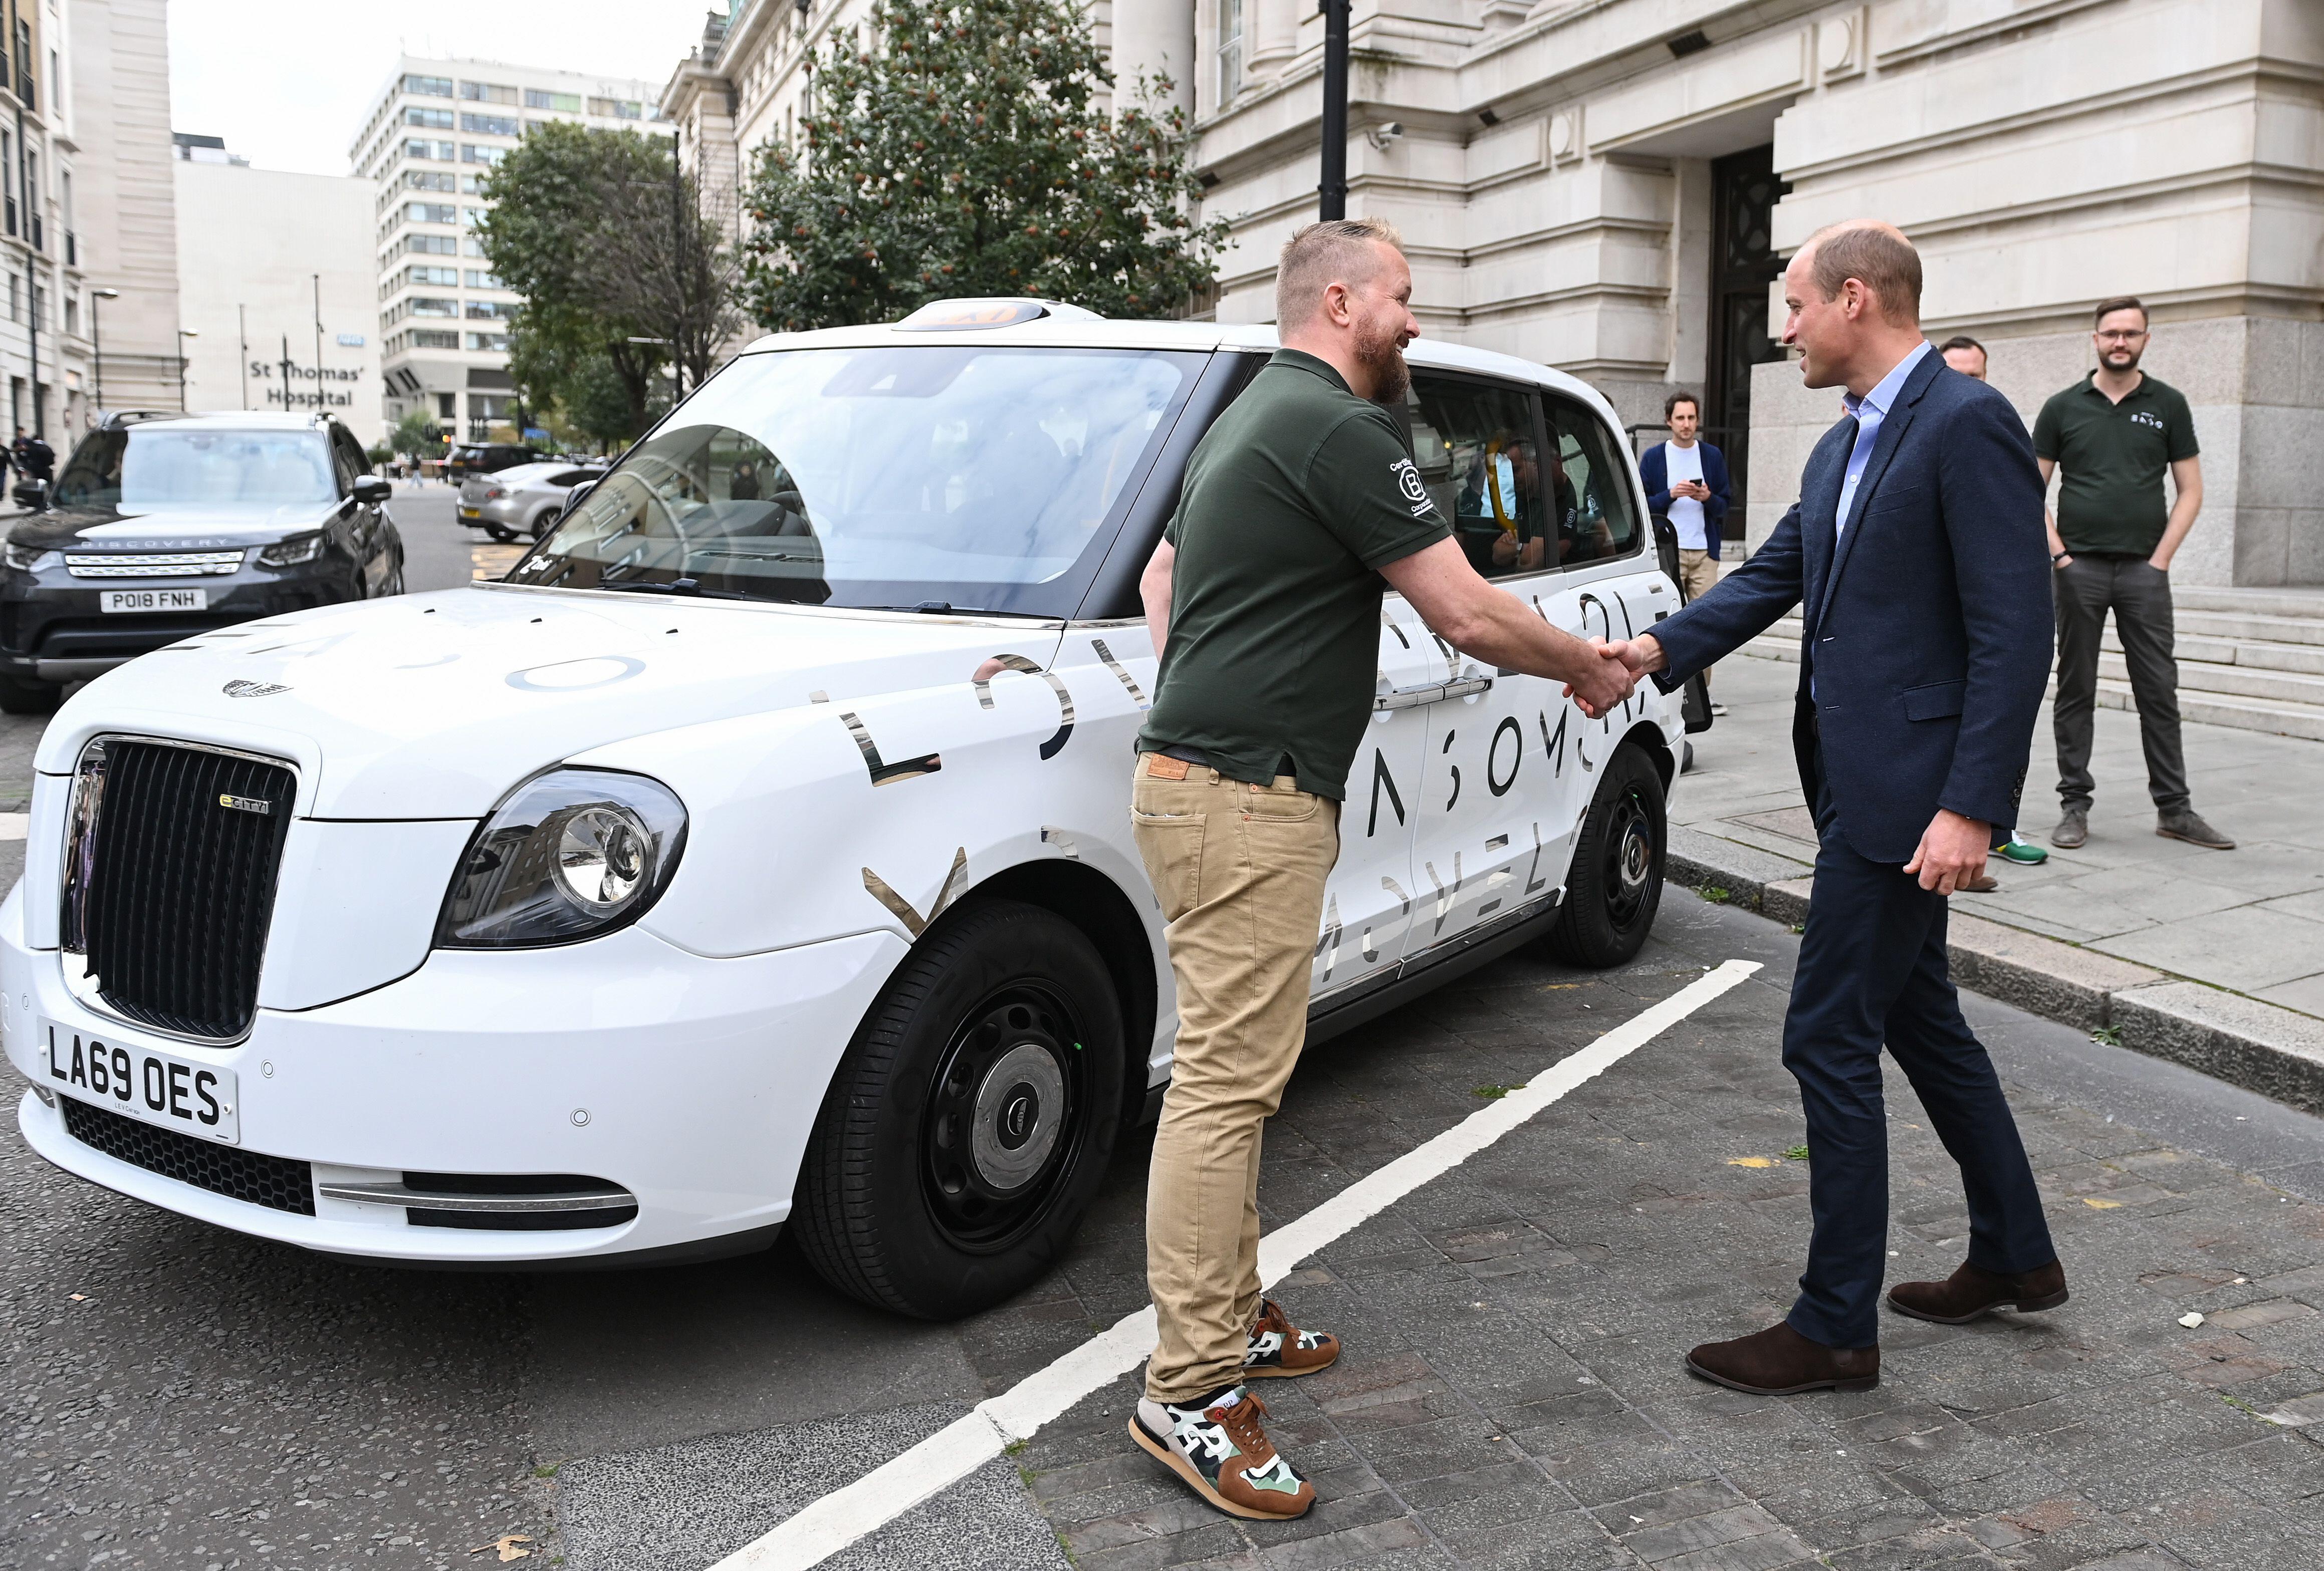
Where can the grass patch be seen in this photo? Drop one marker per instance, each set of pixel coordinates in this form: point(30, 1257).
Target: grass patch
point(2111, 1036)
point(1796, 1153)
point(1798, 927)
point(547, 1472)
point(1714, 894)
point(1493, 1093)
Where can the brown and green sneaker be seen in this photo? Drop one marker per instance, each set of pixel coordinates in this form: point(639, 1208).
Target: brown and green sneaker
point(1277, 1348)
point(1224, 1454)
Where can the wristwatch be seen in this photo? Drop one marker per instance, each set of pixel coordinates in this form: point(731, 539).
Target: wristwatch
point(2058, 556)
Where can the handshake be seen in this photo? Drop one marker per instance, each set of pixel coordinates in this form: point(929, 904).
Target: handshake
point(1611, 672)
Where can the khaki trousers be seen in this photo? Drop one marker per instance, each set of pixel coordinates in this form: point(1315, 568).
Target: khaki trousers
point(1698, 573)
point(1240, 870)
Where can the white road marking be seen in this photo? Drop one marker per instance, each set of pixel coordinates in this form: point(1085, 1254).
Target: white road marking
point(14, 824)
point(839, 1519)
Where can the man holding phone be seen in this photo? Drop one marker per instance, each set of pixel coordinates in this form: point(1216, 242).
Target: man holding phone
point(1686, 482)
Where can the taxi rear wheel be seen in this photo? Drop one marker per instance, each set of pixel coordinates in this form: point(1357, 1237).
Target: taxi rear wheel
point(1615, 885)
point(971, 1120)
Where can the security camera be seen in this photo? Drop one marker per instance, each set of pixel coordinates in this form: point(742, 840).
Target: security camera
point(1379, 136)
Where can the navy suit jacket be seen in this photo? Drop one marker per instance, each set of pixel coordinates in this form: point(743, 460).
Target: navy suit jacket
point(1928, 621)
point(1653, 468)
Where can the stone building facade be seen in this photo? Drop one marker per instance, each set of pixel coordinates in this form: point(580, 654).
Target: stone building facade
point(1611, 186)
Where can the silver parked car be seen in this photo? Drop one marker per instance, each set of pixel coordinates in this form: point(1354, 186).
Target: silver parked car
point(522, 501)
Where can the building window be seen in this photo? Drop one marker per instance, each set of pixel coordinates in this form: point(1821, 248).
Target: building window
point(488, 93)
point(617, 108)
point(1230, 50)
point(431, 213)
point(431, 244)
point(535, 98)
point(428, 179)
point(492, 343)
point(486, 125)
point(432, 305)
point(472, 246)
point(490, 310)
point(483, 280)
point(424, 338)
point(418, 147)
point(432, 119)
point(428, 87)
point(471, 153)
point(471, 217)
point(73, 314)
point(433, 275)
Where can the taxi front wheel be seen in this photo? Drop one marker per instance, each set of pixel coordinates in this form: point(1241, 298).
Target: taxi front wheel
point(1615, 882)
point(971, 1122)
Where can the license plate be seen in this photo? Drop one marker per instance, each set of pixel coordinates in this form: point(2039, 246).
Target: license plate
point(137, 600)
point(472, 512)
point(159, 1088)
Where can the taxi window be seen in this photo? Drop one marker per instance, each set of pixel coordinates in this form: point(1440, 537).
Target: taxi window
point(1477, 447)
point(1597, 512)
point(967, 477)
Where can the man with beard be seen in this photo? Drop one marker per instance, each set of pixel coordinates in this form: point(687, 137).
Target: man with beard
point(1264, 603)
point(2115, 432)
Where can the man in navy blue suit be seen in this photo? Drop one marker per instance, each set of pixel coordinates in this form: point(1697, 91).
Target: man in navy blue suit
point(1918, 555)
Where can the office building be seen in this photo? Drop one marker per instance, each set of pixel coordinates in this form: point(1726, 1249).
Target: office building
point(276, 278)
point(1612, 187)
point(433, 133)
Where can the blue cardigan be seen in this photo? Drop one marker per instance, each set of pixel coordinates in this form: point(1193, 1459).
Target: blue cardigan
point(1653, 471)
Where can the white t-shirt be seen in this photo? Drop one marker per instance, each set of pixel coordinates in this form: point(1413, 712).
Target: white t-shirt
point(1685, 512)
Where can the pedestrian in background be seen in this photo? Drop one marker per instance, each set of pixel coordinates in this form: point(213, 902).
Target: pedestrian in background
point(2114, 434)
point(1263, 600)
point(1913, 555)
point(1964, 354)
point(1686, 482)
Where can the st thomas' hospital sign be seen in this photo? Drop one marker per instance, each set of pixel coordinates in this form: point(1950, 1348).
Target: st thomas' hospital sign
point(326, 386)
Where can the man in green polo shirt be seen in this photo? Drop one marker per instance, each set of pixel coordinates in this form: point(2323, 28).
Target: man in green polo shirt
point(2114, 433)
point(1264, 602)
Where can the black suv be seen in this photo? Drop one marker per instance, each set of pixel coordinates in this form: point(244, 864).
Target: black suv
point(167, 525)
point(470, 458)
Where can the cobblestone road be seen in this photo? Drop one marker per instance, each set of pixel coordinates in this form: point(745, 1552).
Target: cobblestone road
point(175, 1397)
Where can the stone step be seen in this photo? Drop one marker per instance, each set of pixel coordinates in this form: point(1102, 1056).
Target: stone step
point(2244, 681)
point(2249, 626)
point(2254, 654)
point(2293, 601)
point(2202, 705)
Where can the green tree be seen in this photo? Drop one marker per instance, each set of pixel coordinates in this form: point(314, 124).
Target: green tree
point(621, 270)
point(961, 149)
point(417, 436)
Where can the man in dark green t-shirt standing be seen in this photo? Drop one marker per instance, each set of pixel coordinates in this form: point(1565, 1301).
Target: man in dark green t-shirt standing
point(1264, 602)
point(2114, 433)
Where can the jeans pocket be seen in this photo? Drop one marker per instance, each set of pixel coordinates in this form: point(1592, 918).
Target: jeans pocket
point(1278, 805)
point(1171, 845)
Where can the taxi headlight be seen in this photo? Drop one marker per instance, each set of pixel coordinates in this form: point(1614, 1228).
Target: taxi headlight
point(570, 855)
point(291, 552)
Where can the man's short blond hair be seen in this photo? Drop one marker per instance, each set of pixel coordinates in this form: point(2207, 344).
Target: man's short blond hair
point(1877, 256)
point(1336, 251)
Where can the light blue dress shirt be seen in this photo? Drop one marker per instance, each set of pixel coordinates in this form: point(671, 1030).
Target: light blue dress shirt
point(1869, 411)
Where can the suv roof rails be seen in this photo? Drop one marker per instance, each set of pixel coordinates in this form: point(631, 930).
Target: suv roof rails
point(115, 420)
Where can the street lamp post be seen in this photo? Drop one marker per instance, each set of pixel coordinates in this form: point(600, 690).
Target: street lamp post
point(1332, 190)
point(96, 338)
point(184, 333)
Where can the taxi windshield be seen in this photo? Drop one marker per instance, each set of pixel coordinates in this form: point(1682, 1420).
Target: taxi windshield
point(965, 477)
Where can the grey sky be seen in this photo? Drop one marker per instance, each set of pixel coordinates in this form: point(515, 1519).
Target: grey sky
point(288, 82)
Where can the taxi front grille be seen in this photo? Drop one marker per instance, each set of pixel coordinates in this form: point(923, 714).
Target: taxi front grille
point(276, 1182)
point(170, 883)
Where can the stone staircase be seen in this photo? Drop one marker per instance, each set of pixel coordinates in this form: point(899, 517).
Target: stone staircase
point(2252, 659)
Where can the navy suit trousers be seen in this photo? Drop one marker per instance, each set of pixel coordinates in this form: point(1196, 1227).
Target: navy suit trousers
point(1872, 970)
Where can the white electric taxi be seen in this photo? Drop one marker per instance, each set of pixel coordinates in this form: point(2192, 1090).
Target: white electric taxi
point(757, 853)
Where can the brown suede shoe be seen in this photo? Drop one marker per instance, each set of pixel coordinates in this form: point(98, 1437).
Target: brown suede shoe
point(1278, 1347)
point(1779, 1361)
point(1973, 1291)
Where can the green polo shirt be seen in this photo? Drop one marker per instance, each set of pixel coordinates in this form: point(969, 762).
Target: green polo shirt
point(1293, 501)
point(2112, 457)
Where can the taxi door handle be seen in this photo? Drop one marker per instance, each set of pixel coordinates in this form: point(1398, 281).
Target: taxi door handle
point(1431, 693)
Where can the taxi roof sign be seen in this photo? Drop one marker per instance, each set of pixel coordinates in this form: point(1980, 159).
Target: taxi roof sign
point(968, 315)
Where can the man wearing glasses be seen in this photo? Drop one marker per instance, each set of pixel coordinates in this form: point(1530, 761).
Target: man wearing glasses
point(2114, 433)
